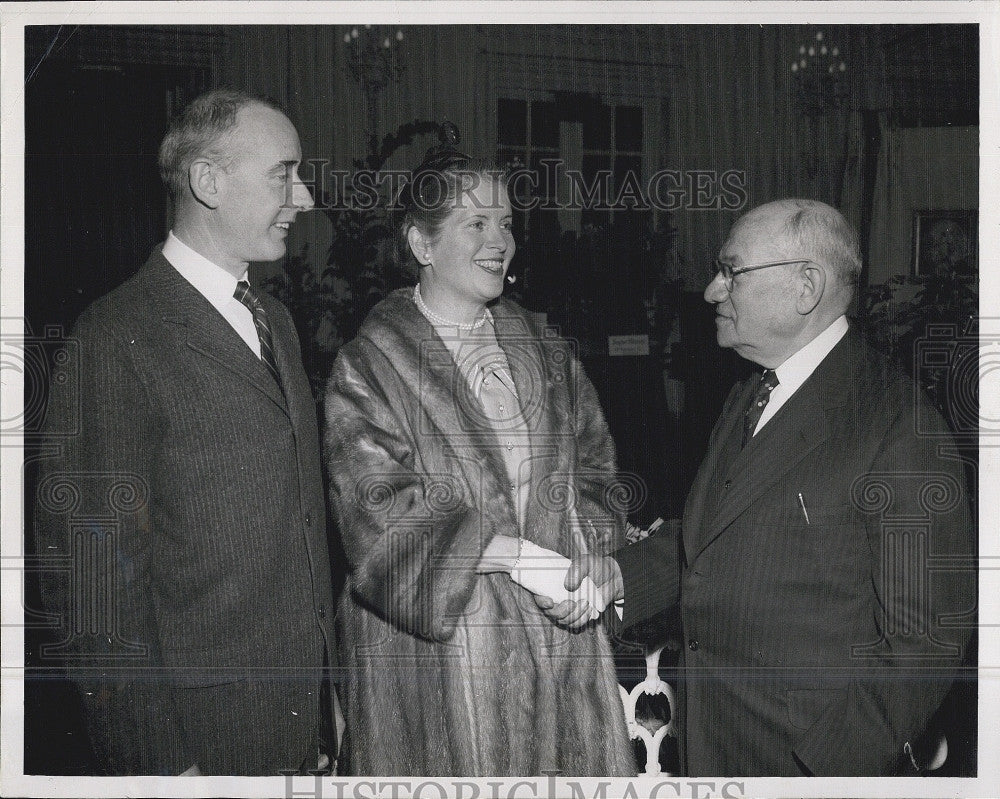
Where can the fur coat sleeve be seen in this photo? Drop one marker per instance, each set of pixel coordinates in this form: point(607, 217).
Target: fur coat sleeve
point(378, 488)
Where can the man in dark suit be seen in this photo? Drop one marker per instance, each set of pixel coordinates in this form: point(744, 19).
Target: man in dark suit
point(825, 573)
point(184, 518)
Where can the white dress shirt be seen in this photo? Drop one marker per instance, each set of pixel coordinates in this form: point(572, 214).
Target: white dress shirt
point(216, 285)
point(797, 368)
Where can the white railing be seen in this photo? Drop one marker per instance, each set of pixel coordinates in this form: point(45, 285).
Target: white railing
point(652, 685)
point(934, 756)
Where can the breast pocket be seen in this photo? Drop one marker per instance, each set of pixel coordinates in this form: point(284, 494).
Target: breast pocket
point(825, 529)
point(801, 511)
point(822, 552)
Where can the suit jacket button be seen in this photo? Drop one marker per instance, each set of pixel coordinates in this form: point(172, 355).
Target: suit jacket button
point(728, 484)
point(693, 645)
point(309, 519)
point(322, 611)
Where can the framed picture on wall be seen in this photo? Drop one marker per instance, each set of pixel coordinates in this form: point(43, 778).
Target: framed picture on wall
point(944, 242)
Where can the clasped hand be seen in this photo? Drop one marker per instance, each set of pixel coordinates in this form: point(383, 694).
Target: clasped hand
point(573, 592)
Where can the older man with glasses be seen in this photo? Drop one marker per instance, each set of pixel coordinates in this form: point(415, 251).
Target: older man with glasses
point(825, 569)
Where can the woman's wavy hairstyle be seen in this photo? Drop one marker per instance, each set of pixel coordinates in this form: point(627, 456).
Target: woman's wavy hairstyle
point(432, 190)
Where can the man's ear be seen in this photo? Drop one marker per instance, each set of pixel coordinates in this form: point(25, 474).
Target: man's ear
point(812, 284)
point(203, 180)
point(419, 245)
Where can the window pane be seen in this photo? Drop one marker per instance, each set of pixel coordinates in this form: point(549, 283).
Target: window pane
point(597, 179)
point(628, 167)
point(512, 121)
point(628, 128)
point(596, 126)
point(512, 159)
point(545, 177)
point(628, 163)
point(544, 125)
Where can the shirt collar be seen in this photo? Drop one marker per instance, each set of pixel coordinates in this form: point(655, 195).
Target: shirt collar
point(797, 368)
point(212, 281)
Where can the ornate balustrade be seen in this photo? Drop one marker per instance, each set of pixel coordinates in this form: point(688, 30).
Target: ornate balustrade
point(651, 739)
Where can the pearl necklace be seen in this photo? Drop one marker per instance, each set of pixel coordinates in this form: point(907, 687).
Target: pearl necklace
point(440, 320)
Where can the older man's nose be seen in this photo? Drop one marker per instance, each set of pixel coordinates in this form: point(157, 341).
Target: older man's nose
point(716, 290)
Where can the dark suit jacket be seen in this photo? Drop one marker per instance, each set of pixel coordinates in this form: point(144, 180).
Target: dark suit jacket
point(184, 526)
point(816, 647)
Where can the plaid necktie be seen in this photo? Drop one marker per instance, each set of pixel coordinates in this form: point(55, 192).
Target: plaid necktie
point(249, 298)
point(768, 382)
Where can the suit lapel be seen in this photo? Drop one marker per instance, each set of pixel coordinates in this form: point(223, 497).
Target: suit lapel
point(795, 431)
point(206, 331)
point(702, 496)
point(801, 425)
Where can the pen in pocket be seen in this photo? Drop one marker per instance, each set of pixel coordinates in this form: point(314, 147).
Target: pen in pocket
point(805, 513)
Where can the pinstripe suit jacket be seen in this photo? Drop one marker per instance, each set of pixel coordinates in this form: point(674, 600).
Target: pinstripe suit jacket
point(820, 645)
point(184, 523)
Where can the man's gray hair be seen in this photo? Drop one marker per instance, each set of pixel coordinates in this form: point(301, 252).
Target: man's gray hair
point(821, 230)
point(202, 130)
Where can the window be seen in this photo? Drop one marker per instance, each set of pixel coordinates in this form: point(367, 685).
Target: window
point(601, 143)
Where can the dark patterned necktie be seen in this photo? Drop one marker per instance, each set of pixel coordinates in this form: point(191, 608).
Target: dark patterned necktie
point(768, 382)
point(249, 298)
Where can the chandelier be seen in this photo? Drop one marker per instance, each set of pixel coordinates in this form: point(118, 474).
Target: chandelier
point(819, 75)
point(374, 59)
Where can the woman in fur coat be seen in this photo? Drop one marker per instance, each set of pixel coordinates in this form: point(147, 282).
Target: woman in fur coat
point(466, 450)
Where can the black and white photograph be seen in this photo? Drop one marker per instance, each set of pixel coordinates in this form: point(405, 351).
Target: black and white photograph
point(501, 399)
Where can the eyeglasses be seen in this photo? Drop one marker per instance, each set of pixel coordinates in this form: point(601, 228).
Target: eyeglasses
point(728, 272)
